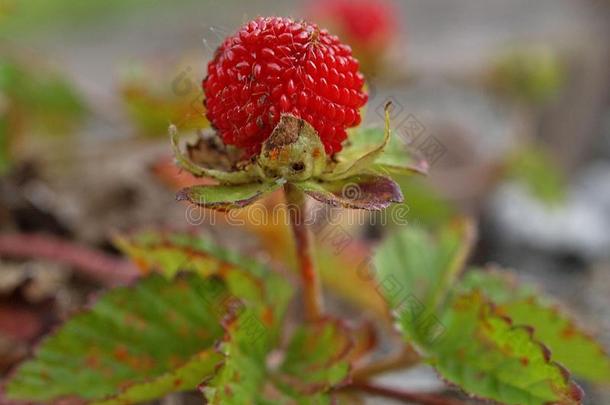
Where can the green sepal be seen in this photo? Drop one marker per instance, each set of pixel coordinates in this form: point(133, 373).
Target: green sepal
point(246, 175)
point(366, 191)
point(359, 155)
point(227, 197)
point(397, 158)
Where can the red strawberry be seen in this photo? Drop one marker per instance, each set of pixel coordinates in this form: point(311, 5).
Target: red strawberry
point(370, 26)
point(275, 65)
point(365, 22)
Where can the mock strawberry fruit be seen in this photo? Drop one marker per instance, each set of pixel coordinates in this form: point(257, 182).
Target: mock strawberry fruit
point(276, 65)
point(366, 22)
point(370, 26)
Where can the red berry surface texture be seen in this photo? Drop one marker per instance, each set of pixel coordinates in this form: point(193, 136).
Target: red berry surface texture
point(277, 65)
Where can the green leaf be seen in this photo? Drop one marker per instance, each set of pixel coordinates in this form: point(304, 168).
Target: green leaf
point(500, 287)
point(135, 344)
point(316, 358)
point(170, 252)
point(5, 153)
point(571, 345)
point(469, 343)
point(425, 206)
point(314, 362)
point(360, 153)
point(50, 102)
point(417, 269)
point(529, 74)
point(240, 374)
point(226, 197)
point(13, 76)
point(366, 191)
point(246, 278)
point(487, 356)
point(152, 103)
point(241, 370)
point(254, 296)
point(534, 167)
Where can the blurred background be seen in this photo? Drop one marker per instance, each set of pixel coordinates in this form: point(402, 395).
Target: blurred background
point(509, 101)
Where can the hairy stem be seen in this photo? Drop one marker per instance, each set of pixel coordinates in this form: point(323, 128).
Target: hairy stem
point(312, 294)
point(405, 396)
point(100, 266)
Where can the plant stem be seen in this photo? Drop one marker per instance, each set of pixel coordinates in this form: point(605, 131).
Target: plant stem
point(312, 294)
point(103, 267)
point(408, 357)
point(409, 397)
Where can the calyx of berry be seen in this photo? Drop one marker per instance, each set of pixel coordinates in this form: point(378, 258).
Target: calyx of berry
point(295, 153)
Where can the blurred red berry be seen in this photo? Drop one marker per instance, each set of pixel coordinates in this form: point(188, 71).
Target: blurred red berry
point(275, 65)
point(369, 26)
point(363, 22)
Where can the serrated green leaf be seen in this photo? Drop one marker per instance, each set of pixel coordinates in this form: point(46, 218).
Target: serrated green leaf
point(226, 197)
point(135, 344)
point(416, 270)
point(171, 252)
point(487, 356)
point(470, 345)
point(315, 361)
point(366, 191)
point(250, 292)
point(571, 345)
point(316, 358)
point(242, 372)
point(499, 287)
point(246, 278)
point(183, 378)
point(250, 337)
